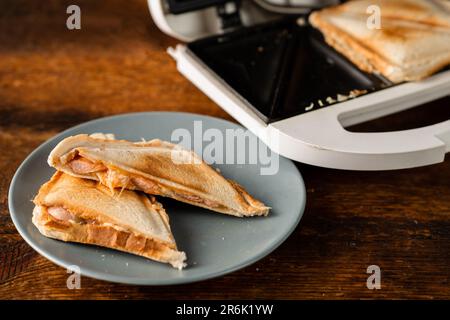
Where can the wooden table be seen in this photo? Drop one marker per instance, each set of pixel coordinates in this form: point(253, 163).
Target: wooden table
point(52, 78)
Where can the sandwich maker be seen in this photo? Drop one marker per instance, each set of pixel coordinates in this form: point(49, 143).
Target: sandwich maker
point(263, 64)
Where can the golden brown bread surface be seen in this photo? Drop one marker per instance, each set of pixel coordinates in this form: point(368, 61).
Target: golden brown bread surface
point(432, 12)
point(413, 42)
point(129, 222)
point(155, 167)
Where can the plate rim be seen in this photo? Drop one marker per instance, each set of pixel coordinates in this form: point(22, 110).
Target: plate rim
point(141, 281)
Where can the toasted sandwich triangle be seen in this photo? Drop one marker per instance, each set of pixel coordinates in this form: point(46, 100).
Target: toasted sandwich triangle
point(155, 167)
point(78, 210)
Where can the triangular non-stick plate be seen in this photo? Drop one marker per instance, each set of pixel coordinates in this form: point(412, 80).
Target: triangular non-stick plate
point(282, 69)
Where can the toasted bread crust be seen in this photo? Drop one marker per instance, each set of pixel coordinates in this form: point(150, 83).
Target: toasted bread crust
point(152, 160)
point(50, 195)
point(402, 23)
point(90, 203)
point(363, 57)
point(106, 236)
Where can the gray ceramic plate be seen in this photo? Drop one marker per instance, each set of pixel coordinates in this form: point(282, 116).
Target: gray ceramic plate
point(215, 244)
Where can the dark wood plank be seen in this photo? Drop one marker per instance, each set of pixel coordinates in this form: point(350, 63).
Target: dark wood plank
point(51, 79)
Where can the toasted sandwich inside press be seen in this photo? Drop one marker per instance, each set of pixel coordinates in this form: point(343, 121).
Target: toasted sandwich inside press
point(150, 167)
point(411, 42)
point(79, 210)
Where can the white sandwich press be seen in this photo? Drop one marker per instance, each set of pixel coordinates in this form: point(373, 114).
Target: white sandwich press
point(278, 78)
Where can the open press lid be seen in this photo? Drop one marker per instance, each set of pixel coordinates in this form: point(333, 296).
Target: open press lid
point(188, 20)
point(281, 6)
point(283, 82)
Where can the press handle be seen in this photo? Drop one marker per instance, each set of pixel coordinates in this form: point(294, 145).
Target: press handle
point(325, 142)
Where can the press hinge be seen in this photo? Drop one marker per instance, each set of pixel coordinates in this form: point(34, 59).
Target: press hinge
point(229, 14)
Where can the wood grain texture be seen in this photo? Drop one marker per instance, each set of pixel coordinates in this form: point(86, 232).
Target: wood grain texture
point(52, 78)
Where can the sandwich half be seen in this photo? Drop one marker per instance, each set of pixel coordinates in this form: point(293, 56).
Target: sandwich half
point(412, 43)
point(78, 210)
point(154, 167)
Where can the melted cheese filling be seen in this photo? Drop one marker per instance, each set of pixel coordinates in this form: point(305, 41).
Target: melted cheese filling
point(64, 215)
point(113, 178)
